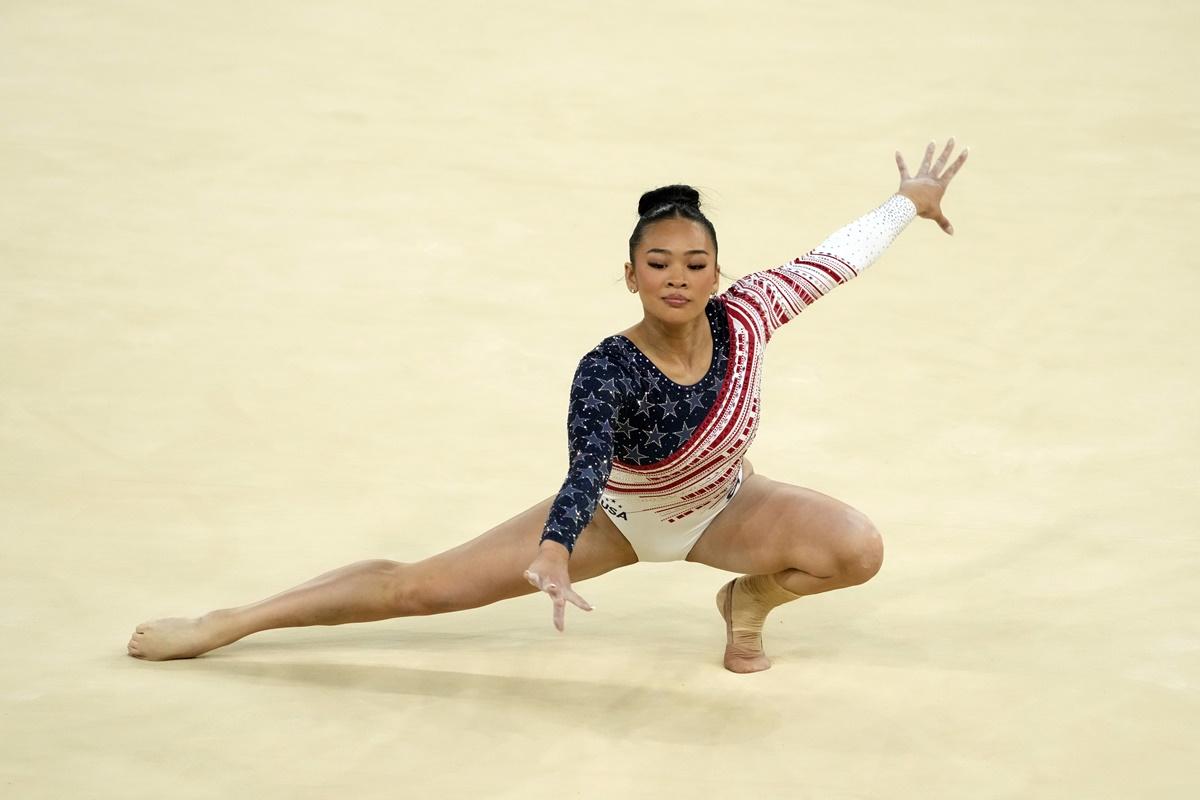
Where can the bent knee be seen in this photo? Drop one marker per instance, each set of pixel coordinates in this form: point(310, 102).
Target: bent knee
point(862, 553)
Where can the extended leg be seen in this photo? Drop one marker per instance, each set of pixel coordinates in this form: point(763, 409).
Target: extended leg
point(359, 592)
point(482, 571)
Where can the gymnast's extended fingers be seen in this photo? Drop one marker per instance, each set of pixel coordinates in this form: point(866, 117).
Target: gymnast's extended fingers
point(560, 608)
point(943, 158)
point(904, 176)
point(549, 587)
point(925, 162)
point(577, 600)
point(958, 162)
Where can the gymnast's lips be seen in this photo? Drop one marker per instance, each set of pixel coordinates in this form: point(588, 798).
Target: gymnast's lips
point(675, 299)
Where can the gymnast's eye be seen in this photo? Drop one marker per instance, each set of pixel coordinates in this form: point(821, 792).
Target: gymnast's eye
point(699, 266)
point(656, 265)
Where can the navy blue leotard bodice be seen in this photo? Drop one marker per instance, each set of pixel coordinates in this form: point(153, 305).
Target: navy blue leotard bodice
point(622, 405)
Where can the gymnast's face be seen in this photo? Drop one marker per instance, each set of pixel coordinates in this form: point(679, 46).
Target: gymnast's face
point(675, 257)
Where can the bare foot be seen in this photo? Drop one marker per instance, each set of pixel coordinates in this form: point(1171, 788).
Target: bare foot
point(177, 637)
point(743, 647)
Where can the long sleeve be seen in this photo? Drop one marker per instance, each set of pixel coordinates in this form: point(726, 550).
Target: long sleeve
point(778, 294)
point(597, 391)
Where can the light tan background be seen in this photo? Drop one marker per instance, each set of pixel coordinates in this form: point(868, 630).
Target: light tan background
point(289, 285)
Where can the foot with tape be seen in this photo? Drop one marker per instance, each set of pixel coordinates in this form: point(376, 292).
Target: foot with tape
point(744, 603)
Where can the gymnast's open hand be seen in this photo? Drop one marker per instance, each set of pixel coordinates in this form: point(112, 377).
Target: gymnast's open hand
point(548, 573)
point(928, 186)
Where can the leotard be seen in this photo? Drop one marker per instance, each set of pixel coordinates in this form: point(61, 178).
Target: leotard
point(663, 459)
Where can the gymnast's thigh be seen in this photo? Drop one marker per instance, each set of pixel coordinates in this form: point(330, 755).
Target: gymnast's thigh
point(491, 566)
point(771, 526)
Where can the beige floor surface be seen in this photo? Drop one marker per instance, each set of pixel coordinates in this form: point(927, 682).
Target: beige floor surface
point(289, 285)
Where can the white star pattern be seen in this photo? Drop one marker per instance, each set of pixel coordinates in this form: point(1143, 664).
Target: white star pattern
point(654, 436)
point(684, 434)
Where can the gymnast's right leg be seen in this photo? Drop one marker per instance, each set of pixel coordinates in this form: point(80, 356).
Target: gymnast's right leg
point(488, 568)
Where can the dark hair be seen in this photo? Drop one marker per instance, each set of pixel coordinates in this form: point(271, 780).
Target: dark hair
point(667, 202)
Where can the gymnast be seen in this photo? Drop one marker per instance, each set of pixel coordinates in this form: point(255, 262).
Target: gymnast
point(659, 421)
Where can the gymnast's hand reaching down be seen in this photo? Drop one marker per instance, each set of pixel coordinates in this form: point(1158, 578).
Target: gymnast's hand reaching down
point(926, 188)
point(548, 573)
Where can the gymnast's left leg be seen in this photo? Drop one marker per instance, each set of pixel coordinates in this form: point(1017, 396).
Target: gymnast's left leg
point(789, 541)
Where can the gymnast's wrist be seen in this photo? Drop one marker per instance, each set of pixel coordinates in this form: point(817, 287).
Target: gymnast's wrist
point(555, 548)
point(915, 209)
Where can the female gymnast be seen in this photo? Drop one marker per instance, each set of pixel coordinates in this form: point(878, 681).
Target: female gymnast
point(659, 421)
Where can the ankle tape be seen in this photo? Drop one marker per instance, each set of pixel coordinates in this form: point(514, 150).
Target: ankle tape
point(753, 597)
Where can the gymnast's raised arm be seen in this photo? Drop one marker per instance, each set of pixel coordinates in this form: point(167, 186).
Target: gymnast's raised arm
point(778, 294)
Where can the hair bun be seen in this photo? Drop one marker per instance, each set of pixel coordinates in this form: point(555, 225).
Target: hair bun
point(678, 194)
